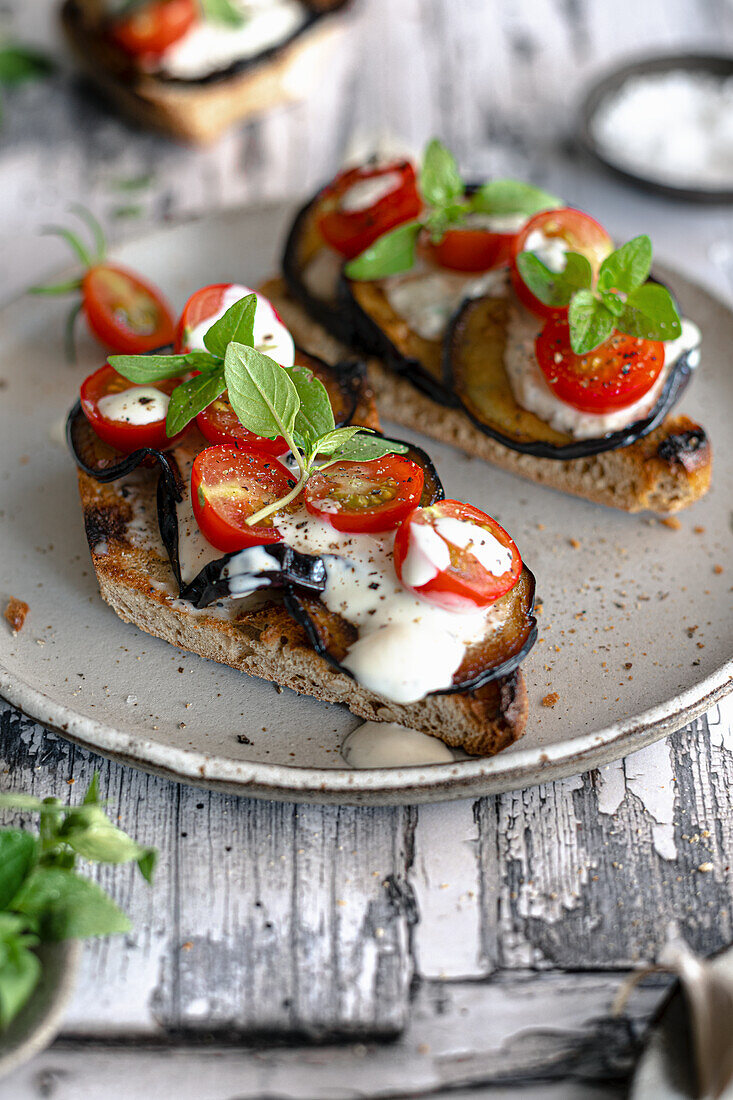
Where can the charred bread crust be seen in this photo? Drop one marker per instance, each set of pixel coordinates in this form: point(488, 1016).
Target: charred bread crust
point(191, 110)
point(663, 472)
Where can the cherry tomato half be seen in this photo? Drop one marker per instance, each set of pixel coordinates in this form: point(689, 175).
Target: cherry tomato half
point(230, 483)
point(220, 424)
point(447, 553)
point(124, 312)
point(612, 376)
point(350, 231)
point(577, 230)
point(116, 426)
point(474, 249)
point(365, 496)
point(153, 27)
point(202, 305)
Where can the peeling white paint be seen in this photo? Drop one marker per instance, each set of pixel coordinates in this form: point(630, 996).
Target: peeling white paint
point(720, 723)
point(648, 774)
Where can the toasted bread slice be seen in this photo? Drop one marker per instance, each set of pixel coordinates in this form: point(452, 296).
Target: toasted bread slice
point(662, 472)
point(194, 110)
point(259, 636)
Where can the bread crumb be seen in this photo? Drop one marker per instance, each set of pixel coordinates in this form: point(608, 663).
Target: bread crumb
point(672, 522)
point(706, 867)
point(699, 530)
point(550, 700)
point(574, 543)
point(718, 569)
point(15, 613)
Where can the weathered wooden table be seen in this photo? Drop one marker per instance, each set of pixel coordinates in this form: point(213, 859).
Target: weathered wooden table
point(302, 951)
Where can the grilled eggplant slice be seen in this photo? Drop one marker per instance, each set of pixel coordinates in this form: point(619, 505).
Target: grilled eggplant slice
point(491, 659)
point(474, 371)
point(303, 245)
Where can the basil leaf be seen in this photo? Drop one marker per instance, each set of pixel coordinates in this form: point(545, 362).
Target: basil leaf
point(512, 197)
point(236, 324)
point(650, 312)
point(20, 968)
point(92, 795)
point(628, 267)
point(365, 448)
point(315, 415)
point(389, 255)
point(261, 392)
point(13, 801)
point(440, 180)
point(147, 862)
point(64, 906)
point(89, 832)
point(590, 322)
point(336, 439)
point(149, 368)
point(555, 288)
point(191, 398)
point(613, 303)
point(18, 853)
point(223, 11)
point(18, 64)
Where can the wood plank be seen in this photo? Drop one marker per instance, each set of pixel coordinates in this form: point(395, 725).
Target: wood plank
point(518, 1035)
point(601, 870)
point(263, 917)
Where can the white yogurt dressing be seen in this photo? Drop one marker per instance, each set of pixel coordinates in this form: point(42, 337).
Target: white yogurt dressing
point(428, 552)
point(137, 405)
point(240, 569)
point(494, 223)
point(407, 647)
point(387, 745)
point(426, 298)
point(365, 193)
point(270, 335)
point(321, 274)
point(210, 45)
point(551, 250)
point(532, 392)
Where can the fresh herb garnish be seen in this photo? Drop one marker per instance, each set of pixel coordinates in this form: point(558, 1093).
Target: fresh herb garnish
point(270, 400)
point(223, 11)
point(621, 299)
point(446, 204)
point(42, 898)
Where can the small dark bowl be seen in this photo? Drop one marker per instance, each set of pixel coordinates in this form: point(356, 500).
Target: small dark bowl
point(710, 64)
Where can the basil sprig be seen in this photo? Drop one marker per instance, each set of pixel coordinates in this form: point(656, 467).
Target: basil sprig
point(269, 399)
point(443, 192)
point(621, 299)
point(223, 11)
point(42, 898)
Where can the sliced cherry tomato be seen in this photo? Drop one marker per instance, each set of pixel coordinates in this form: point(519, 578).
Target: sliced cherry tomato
point(153, 27)
point(578, 231)
point(446, 552)
point(124, 312)
point(612, 376)
point(220, 424)
point(350, 231)
point(365, 496)
point(123, 434)
point(474, 249)
point(230, 483)
point(202, 305)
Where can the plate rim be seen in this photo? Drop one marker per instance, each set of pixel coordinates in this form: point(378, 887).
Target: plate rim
point(478, 776)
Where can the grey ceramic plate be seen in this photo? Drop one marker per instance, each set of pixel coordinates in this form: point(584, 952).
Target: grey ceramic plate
point(37, 1023)
point(636, 631)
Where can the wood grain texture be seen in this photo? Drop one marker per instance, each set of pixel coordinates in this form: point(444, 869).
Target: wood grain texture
point(491, 936)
